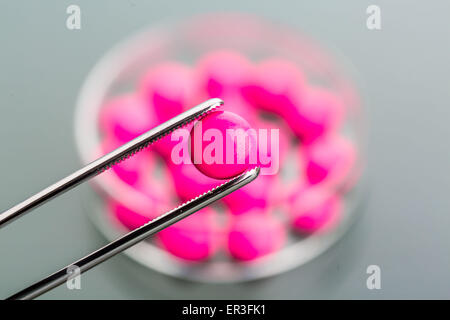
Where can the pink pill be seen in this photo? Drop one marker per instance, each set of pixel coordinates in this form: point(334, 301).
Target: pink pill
point(189, 182)
point(194, 238)
point(257, 194)
point(223, 72)
point(288, 185)
point(254, 235)
point(277, 86)
point(273, 145)
point(148, 197)
point(132, 218)
point(174, 144)
point(320, 112)
point(265, 191)
point(125, 118)
point(315, 209)
point(152, 173)
point(330, 160)
point(168, 89)
point(236, 104)
point(130, 169)
point(221, 145)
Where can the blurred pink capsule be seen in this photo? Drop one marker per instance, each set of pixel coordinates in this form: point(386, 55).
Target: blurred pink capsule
point(315, 209)
point(263, 192)
point(277, 86)
point(320, 112)
point(236, 104)
point(194, 238)
point(125, 118)
point(128, 170)
point(330, 160)
point(168, 144)
point(254, 235)
point(274, 143)
point(189, 182)
point(259, 194)
point(132, 218)
point(156, 183)
point(289, 184)
point(167, 89)
point(223, 72)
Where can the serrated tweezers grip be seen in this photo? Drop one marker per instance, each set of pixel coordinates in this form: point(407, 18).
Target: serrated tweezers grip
point(137, 235)
point(109, 160)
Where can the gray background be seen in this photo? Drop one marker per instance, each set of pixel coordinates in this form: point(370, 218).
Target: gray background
point(405, 70)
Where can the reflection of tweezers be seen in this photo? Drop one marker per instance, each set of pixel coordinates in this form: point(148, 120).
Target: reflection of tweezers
point(133, 237)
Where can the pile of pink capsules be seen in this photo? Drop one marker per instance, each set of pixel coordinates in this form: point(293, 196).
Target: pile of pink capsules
point(257, 219)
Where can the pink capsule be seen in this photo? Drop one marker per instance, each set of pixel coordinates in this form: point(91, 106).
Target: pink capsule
point(130, 169)
point(273, 145)
point(194, 238)
point(277, 86)
point(174, 144)
point(223, 72)
point(168, 89)
point(254, 235)
point(152, 173)
point(189, 182)
point(286, 185)
point(221, 145)
point(315, 209)
point(320, 113)
point(330, 160)
point(125, 118)
point(236, 104)
point(259, 194)
point(132, 218)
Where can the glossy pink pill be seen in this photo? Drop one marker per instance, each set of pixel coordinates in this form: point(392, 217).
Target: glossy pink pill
point(320, 112)
point(315, 209)
point(222, 145)
point(223, 72)
point(193, 238)
point(277, 86)
point(168, 89)
point(188, 181)
point(254, 235)
point(330, 160)
point(125, 118)
point(267, 189)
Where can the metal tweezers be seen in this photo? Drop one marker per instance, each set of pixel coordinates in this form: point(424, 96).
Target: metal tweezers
point(104, 163)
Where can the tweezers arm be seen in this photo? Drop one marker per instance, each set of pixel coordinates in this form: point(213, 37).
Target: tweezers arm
point(137, 235)
point(98, 166)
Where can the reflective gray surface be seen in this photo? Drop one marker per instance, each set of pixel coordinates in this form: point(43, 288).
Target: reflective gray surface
point(403, 67)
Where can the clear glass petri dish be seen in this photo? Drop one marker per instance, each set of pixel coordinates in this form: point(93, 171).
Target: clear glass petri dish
point(187, 40)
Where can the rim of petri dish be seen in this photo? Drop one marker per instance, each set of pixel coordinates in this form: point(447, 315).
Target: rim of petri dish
point(123, 61)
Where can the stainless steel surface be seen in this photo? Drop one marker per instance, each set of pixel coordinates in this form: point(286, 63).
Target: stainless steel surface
point(138, 235)
point(107, 161)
